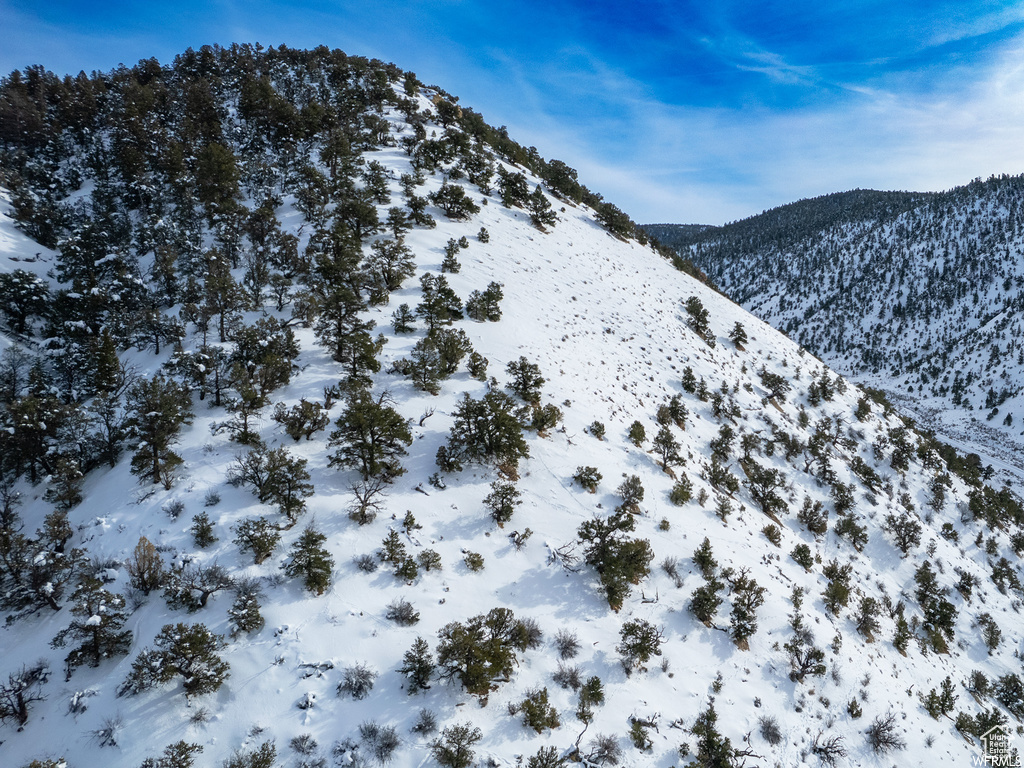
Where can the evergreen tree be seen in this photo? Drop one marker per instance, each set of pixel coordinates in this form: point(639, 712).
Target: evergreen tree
point(502, 501)
point(258, 536)
point(526, 380)
point(190, 651)
point(308, 559)
point(540, 209)
point(418, 666)
point(667, 448)
point(487, 431)
point(371, 436)
point(157, 409)
point(619, 560)
point(97, 628)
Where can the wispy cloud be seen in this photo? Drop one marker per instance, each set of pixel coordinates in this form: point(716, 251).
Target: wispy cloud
point(677, 111)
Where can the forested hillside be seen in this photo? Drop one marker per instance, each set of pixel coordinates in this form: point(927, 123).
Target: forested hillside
point(340, 429)
point(917, 293)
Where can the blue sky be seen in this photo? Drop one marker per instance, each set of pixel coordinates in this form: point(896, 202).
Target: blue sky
point(676, 111)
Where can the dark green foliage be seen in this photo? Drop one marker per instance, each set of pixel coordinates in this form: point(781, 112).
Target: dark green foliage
point(631, 490)
point(180, 754)
point(480, 650)
point(704, 559)
point(536, 710)
point(440, 305)
point(990, 632)
point(837, 593)
point(188, 650)
point(371, 436)
point(526, 380)
point(637, 434)
point(848, 527)
point(704, 602)
point(713, 749)
point(258, 536)
point(202, 531)
point(157, 409)
point(23, 295)
point(474, 561)
point(667, 448)
point(941, 702)
point(747, 597)
point(477, 366)
point(764, 484)
point(866, 617)
point(719, 476)
point(276, 477)
point(302, 420)
point(597, 430)
point(638, 641)
point(698, 319)
point(776, 384)
point(402, 319)
point(802, 555)
point(545, 418)
point(453, 200)
point(814, 517)
point(619, 560)
point(682, 491)
point(486, 431)
point(588, 477)
point(502, 501)
point(905, 530)
point(591, 694)
point(738, 335)
point(454, 748)
point(773, 534)
point(513, 188)
point(97, 639)
point(418, 666)
point(309, 560)
point(262, 756)
point(804, 658)
point(244, 613)
point(451, 261)
point(901, 635)
point(540, 210)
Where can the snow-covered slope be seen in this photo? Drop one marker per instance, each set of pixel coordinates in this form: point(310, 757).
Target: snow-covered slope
point(917, 294)
point(605, 319)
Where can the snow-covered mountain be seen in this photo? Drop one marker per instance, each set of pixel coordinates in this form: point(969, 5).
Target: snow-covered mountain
point(918, 294)
point(714, 549)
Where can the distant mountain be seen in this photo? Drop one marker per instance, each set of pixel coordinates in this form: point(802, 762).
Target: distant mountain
point(339, 429)
point(919, 294)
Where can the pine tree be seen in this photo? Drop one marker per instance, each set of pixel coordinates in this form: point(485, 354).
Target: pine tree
point(308, 559)
point(202, 531)
point(244, 613)
point(502, 501)
point(157, 408)
point(190, 651)
point(418, 666)
point(100, 616)
point(667, 448)
point(526, 380)
point(540, 209)
point(371, 436)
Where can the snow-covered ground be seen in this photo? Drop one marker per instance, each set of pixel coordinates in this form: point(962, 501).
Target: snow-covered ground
point(605, 321)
